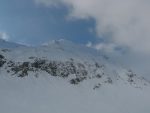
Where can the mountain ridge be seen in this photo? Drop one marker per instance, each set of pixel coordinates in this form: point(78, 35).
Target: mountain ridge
point(68, 78)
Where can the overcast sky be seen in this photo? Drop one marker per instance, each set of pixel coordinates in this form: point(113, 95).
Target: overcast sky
point(119, 27)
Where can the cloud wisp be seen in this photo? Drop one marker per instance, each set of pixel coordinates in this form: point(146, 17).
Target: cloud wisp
point(4, 36)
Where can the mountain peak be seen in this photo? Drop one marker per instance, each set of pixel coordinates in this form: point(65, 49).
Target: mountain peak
point(63, 77)
point(58, 42)
point(8, 44)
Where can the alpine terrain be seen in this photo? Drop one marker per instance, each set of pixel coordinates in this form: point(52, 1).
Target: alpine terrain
point(63, 77)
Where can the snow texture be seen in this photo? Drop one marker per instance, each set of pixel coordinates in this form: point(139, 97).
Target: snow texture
point(62, 77)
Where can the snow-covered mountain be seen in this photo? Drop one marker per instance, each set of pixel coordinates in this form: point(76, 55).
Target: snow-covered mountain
point(6, 44)
point(62, 77)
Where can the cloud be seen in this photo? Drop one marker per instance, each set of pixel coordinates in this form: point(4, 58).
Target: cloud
point(123, 22)
point(89, 44)
point(109, 48)
point(106, 47)
point(4, 36)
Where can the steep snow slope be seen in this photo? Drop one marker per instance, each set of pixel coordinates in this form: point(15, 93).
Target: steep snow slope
point(62, 77)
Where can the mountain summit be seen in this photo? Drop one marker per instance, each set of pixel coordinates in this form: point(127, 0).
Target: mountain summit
point(62, 77)
point(6, 44)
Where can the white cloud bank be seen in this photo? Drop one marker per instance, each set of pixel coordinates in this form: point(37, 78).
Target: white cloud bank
point(123, 22)
point(4, 36)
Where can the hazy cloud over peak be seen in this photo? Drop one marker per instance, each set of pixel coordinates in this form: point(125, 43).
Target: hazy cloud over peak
point(4, 36)
point(123, 22)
